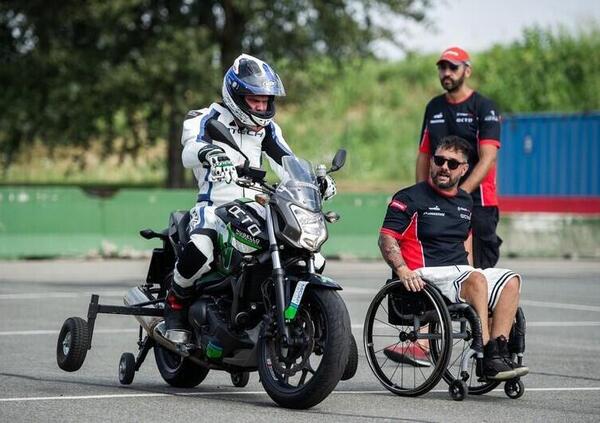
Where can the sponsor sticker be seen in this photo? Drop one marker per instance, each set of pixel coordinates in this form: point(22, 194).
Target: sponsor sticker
point(292, 309)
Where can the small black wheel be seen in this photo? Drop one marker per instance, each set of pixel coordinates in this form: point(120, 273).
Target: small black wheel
point(73, 344)
point(514, 388)
point(126, 368)
point(352, 364)
point(240, 379)
point(458, 390)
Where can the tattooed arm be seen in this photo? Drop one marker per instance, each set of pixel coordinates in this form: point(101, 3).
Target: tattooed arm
point(390, 250)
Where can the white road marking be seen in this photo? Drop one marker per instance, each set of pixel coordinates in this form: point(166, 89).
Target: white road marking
point(55, 332)
point(560, 305)
point(48, 295)
point(239, 393)
point(529, 324)
point(349, 290)
point(354, 326)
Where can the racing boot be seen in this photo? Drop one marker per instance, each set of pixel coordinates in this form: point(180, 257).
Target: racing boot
point(495, 365)
point(176, 309)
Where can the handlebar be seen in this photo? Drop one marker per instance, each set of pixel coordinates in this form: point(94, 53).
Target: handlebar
point(248, 176)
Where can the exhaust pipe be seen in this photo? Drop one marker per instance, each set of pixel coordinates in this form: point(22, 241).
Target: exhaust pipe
point(137, 296)
point(158, 334)
point(155, 326)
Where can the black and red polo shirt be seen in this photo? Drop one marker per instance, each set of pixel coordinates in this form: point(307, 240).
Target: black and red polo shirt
point(430, 226)
point(475, 119)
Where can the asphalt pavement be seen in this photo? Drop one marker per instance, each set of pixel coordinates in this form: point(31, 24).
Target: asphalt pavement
point(561, 300)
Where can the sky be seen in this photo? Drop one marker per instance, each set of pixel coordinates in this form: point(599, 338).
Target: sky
point(477, 25)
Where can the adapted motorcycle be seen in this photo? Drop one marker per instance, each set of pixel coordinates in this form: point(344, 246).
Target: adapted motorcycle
point(263, 306)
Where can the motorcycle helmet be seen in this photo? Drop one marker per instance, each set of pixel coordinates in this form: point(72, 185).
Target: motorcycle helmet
point(251, 76)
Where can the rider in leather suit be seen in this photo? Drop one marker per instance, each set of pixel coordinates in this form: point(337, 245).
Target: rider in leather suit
point(249, 90)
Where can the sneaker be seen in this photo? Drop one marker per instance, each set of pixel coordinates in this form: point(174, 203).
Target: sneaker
point(498, 369)
point(519, 369)
point(504, 351)
point(495, 365)
point(413, 354)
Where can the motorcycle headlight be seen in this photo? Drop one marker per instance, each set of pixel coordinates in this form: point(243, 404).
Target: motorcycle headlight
point(312, 224)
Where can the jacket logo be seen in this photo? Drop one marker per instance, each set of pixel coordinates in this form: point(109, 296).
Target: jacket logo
point(492, 117)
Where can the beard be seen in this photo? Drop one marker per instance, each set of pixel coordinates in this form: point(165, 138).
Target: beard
point(450, 182)
point(452, 85)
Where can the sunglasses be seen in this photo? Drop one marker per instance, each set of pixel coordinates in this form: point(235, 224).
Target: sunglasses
point(452, 163)
point(448, 65)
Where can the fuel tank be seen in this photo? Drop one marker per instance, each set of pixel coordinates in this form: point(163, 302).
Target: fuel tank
point(243, 232)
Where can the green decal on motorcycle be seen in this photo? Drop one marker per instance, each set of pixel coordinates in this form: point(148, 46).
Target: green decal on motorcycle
point(292, 309)
point(290, 312)
point(213, 351)
point(226, 251)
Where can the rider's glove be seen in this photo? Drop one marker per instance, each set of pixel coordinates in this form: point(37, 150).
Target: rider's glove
point(327, 186)
point(221, 167)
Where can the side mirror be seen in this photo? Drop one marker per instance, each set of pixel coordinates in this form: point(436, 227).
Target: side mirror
point(338, 160)
point(219, 132)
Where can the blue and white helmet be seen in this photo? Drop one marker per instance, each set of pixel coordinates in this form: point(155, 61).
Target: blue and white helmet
point(251, 76)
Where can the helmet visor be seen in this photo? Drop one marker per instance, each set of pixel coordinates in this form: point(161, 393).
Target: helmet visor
point(253, 78)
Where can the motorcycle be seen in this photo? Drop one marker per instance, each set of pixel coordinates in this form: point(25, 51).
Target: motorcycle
point(263, 307)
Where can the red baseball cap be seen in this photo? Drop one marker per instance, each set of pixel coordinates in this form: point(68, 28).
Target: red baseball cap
point(455, 55)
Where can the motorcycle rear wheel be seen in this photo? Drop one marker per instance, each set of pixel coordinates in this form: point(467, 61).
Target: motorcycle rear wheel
point(331, 331)
point(178, 371)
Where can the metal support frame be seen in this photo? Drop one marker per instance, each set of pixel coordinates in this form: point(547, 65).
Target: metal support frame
point(138, 310)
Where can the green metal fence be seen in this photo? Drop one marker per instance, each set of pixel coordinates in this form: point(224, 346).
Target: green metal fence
point(67, 222)
point(54, 222)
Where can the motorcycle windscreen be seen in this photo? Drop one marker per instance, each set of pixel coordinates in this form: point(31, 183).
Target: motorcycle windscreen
point(299, 184)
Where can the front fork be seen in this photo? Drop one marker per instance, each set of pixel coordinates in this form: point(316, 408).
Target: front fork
point(278, 276)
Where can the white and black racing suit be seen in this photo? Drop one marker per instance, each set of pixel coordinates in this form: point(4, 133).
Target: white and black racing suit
point(198, 255)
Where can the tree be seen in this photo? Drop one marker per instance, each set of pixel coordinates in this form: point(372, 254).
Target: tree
point(76, 71)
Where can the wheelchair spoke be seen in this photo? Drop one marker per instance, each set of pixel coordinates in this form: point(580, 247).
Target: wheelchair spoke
point(387, 324)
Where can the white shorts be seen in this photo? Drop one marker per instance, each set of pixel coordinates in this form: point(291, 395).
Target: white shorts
point(449, 280)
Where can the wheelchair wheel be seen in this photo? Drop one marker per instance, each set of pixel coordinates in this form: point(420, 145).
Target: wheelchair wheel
point(461, 342)
point(396, 344)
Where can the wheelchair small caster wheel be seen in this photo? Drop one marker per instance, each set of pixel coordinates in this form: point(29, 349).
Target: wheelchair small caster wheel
point(126, 368)
point(514, 388)
point(458, 390)
point(240, 379)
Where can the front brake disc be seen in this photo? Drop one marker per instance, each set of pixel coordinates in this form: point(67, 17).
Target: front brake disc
point(297, 356)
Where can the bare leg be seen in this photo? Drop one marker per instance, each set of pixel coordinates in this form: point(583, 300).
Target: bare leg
point(506, 308)
point(474, 291)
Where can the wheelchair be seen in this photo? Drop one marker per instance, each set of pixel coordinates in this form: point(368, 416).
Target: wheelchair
point(448, 335)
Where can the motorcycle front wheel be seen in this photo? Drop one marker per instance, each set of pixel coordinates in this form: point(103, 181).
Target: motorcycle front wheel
point(301, 376)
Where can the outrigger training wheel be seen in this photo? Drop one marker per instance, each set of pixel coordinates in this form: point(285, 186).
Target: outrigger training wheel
point(240, 379)
point(126, 368)
point(73, 344)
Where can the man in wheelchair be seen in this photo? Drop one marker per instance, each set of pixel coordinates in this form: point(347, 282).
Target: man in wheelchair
point(426, 237)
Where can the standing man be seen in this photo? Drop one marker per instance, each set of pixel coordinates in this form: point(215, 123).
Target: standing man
point(463, 112)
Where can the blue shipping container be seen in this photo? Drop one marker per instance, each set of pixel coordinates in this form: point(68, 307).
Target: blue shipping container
point(550, 155)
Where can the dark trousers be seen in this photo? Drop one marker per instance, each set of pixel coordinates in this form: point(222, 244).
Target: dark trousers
point(486, 244)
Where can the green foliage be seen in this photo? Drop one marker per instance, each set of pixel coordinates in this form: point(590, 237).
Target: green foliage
point(129, 70)
point(122, 74)
point(545, 71)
